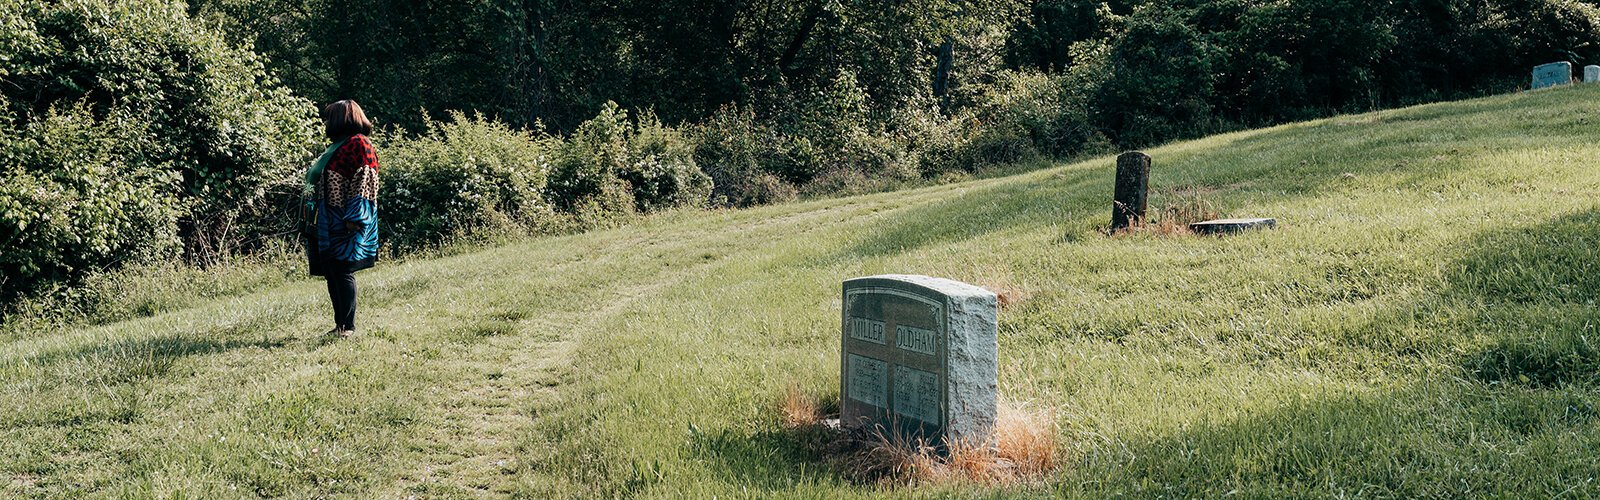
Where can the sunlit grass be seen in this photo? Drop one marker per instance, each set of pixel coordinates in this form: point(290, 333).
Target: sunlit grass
point(1422, 323)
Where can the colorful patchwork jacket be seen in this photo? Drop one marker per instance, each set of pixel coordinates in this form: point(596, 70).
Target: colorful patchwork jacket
point(345, 233)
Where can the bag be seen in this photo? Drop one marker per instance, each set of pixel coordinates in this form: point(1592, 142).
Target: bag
point(308, 217)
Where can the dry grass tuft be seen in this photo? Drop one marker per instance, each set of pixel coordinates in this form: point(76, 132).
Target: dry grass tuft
point(1026, 438)
point(1164, 227)
point(878, 457)
point(973, 462)
point(1007, 296)
point(1180, 208)
point(1023, 449)
point(800, 409)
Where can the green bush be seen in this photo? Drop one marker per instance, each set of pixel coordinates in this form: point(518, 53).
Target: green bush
point(196, 134)
point(612, 165)
point(829, 138)
point(462, 176)
point(999, 144)
point(831, 130)
point(663, 173)
point(744, 157)
point(584, 173)
point(845, 182)
point(731, 147)
point(1043, 109)
point(1160, 82)
point(1022, 116)
point(76, 194)
point(933, 142)
point(833, 142)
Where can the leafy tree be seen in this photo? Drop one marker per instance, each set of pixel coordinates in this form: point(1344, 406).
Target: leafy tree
point(465, 175)
point(614, 164)
point(559, 61)
point(395, 57)
point(1160, 80)
point(126, 123)
point(1043, 41)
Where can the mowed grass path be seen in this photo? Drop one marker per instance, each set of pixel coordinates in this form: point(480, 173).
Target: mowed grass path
point(1422, 323)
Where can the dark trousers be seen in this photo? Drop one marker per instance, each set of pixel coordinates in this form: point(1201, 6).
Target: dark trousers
point(342, 289)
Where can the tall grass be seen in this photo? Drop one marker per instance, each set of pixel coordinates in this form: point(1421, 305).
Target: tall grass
point(1422, 327)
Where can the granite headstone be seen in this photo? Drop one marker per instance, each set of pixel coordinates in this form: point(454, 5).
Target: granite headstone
point(1591, 74)
point(1131, 195)
point(918, 358)
point(1553, 74)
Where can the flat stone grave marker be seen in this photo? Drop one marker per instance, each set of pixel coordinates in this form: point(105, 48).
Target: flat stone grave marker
point(1550, 75)
point(1226, 226)
point(918, 358)
point(1591, 74)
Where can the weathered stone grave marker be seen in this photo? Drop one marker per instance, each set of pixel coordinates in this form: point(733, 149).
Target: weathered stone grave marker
point(1129, 201)
point(918, 358)
point(1591, 74)
point(1226, 226)
point(1550, 75)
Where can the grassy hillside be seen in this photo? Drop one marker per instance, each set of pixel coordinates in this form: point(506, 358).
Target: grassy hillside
point(1423, 322)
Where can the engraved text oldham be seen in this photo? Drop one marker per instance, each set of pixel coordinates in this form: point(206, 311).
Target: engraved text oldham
point(916, 339)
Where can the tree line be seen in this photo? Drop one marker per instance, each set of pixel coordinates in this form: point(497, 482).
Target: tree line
point(1208, 64)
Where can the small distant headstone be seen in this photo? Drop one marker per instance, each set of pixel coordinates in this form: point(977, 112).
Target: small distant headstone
point(1591, 74)
point(1128, 203)
point(1226, 226)
point(1550, 75)
point(918, 358)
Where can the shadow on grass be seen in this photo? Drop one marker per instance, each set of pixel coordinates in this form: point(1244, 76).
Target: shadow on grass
point(774, 459)
point(1447, 439)
point(1537, 289)
point(132, 360)
point(766, 460)
point(110, 378)
point(1518, 419)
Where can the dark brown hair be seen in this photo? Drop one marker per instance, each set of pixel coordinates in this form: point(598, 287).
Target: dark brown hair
point(344, 119)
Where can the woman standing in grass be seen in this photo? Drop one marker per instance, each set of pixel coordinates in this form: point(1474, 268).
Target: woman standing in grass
point(341, 209)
